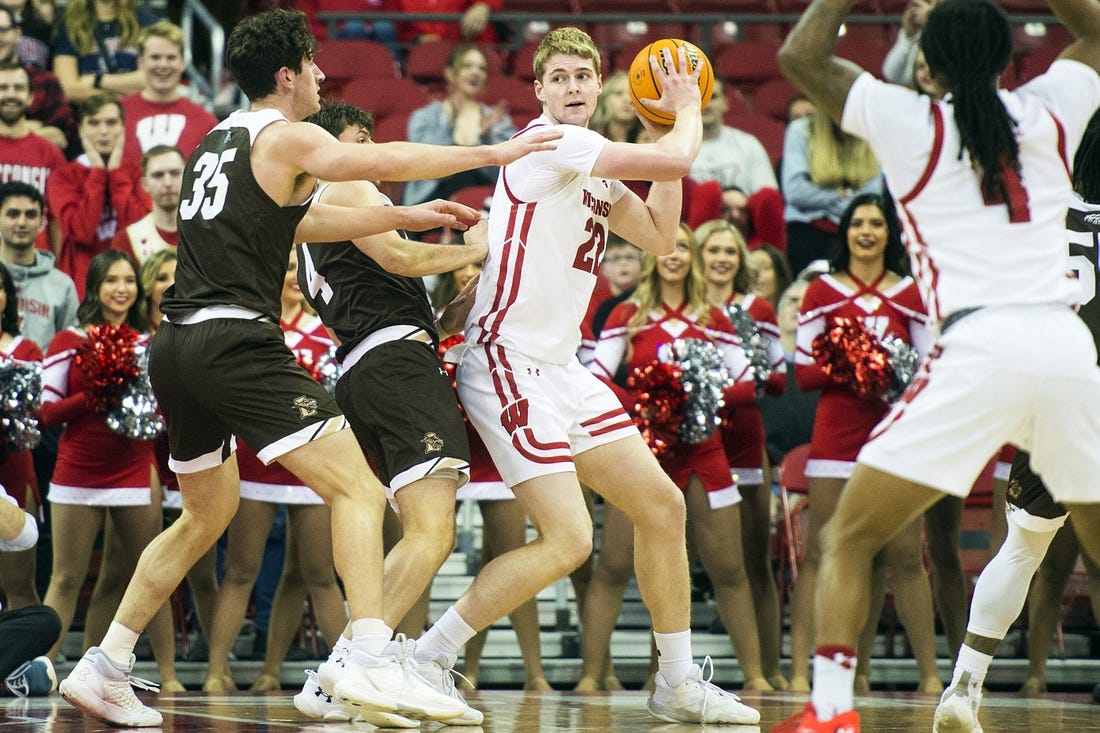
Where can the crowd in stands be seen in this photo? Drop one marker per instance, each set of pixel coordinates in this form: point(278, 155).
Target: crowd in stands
point(778, 234)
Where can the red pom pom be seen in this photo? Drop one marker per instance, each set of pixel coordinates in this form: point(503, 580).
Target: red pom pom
point(853, 356)
point(659, 408)
point(450, 367)
point(108, 364)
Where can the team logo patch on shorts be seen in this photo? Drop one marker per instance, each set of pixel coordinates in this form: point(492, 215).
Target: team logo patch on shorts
point(306, 406)
point(1015, 489)
point(432, 443)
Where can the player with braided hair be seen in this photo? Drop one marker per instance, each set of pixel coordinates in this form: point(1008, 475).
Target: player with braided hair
point(1034, 517)
point(983, 180)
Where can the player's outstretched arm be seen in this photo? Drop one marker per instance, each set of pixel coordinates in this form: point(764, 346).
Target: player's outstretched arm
point(320, 155)
point(330, 223)
point(1082, 19)
point(403, 256)
point(808, 56)
point(416, 259)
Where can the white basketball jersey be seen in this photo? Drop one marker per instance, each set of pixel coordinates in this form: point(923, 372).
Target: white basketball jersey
point(966, 252)
point(547, 233)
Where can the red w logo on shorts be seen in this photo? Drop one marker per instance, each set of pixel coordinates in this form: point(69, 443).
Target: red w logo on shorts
point(514, 416)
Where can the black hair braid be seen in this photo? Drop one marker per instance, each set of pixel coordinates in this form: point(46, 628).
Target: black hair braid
point(968, 43)
point(1086, 163)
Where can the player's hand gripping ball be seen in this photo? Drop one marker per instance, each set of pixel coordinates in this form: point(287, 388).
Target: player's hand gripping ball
point(644, 86)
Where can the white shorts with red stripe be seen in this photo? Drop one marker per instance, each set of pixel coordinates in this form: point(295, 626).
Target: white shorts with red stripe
point(534, 416)
point(1024, 375)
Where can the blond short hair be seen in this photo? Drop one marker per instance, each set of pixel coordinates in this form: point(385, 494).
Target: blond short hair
point(568, 41)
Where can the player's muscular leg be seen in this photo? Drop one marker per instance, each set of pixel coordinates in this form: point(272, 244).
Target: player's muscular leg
point(556, 507)
point(209, 501)
point(334, 467)
point(627, 475)
point(873, 508)
point(1086, 523)
point(428, 536)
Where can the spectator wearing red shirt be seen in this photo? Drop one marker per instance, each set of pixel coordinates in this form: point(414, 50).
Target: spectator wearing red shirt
point(159, 114)
point(24, 155)
point(99, 192)
point(474, 25)
point(162, 174)
point(48, 113)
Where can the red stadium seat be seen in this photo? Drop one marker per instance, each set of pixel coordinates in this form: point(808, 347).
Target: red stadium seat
point(624, 41)
point(735, 101)
point(523, 61)
point(342, 60)
point(519, 94)
point(769, 131)
point(622, 57)
point(747, 63)
point(652, 7)
point(543, 6)
point(869, 33)
point(1037, 61)
point(385, 98)
point(771, 98)
point(868, 56)
point(862, 7)
point(730, 7)
point(792, 480)
point(476, 197)
point(394, 128)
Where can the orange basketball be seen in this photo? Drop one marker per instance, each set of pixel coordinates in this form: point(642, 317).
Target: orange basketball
point(643, 86)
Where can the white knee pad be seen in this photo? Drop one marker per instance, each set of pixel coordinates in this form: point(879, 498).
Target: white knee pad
point(1002, 588)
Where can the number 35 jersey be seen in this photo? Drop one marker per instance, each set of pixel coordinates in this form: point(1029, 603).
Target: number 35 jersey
point(547, 232)
point(234, 241)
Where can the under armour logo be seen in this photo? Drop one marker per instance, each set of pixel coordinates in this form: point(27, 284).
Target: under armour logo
point(306, 406)
point(432, 443)
point(844, 660)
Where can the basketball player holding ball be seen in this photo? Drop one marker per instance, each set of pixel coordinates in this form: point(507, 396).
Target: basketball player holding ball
point(547, 421)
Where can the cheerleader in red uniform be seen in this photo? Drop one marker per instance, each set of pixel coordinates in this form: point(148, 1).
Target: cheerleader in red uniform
point(865, 284)
point(724, 262)
point(17, 569)
point(670, 303)
point(308, 565)
point(99, 472)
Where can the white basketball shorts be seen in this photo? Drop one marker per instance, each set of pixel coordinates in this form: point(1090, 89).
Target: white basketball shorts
point(1025, 375)
point(534, 416)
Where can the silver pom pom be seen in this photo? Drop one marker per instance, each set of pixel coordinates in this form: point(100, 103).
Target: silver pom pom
point(20, 401)
point(328, 370)
point(137, 415)
point(753, 343)
point(904, 359)
point(704, 378)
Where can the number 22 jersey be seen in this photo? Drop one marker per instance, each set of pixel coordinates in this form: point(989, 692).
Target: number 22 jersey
point(547, 232)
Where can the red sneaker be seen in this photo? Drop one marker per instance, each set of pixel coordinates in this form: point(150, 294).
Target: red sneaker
point(807, 722)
